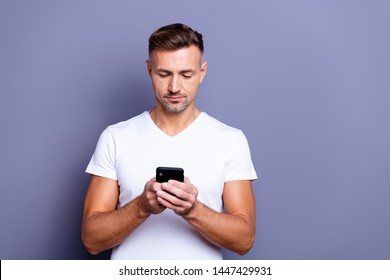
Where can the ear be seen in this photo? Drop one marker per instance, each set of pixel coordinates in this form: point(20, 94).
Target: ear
point(149, 67)
point(203, 70)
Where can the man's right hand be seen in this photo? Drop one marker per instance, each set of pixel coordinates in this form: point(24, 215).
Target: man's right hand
point(147, 202)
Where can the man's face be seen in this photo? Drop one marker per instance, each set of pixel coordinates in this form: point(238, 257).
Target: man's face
point(176, 76)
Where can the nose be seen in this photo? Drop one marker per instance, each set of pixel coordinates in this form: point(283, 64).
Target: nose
point(174, 86)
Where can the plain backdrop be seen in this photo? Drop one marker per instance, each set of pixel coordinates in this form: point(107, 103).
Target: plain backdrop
point(307, 81)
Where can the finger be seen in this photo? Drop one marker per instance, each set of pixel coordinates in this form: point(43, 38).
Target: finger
point(154, 186)
point(186, 187)
point(176, 208)
point(179, 210)
point(173, 200)
point(177, 191)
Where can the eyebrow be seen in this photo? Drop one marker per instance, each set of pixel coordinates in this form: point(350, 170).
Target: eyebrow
point(180, 72)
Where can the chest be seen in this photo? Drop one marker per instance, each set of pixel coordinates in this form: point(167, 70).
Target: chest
point(204, 162)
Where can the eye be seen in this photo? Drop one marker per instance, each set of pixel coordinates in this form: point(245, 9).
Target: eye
point(163, 75)
point(187, 76)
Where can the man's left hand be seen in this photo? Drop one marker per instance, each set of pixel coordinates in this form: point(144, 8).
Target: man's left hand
point(181, 197)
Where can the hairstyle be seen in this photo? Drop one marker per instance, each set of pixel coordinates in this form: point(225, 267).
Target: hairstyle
point(173, 37)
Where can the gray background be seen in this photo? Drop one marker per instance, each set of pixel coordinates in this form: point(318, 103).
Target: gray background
point(307, 81)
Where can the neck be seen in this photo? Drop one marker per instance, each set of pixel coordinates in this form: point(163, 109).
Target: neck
point(173, 123)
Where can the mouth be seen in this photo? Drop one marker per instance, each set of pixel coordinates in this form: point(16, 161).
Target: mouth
point(174, 98)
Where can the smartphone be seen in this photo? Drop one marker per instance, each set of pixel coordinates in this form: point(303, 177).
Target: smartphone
point(164, 174)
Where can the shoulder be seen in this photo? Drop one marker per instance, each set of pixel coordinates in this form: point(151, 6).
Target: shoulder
point(219, 134)
point(130, 125)
point(213, 125)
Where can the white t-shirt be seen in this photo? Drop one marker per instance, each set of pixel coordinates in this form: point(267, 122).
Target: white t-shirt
point(210, 153)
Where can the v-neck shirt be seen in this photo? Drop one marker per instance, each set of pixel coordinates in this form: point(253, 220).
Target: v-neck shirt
point(210, 152)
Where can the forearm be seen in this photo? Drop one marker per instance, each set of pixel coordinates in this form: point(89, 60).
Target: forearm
point(104, 230)
point(230, 231)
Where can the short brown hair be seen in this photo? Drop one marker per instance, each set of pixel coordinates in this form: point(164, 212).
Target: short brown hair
point(173, 37)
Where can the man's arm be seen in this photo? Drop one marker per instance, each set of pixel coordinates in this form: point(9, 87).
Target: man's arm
point(103, 225)
point(233, 230)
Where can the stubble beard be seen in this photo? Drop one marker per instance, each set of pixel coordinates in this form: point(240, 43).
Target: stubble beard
point(176, 107)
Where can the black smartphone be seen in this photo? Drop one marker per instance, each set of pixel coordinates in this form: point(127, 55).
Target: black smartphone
point(164, 174)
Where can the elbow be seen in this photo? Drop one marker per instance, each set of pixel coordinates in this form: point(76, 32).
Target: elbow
point(246, 238)
point(91, 250)
point(245, 247)
point(244, 251)
point(90, 241)
point(90, 245)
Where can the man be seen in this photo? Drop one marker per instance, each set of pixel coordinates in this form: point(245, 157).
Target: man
point(127, 210)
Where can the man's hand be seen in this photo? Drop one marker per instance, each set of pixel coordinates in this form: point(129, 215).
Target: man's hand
point(148, 202)
point(178, 196)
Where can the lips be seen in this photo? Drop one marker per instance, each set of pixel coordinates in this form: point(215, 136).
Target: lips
point(174, 98)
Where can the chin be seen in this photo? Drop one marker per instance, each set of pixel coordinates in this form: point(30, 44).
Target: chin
point(175, 109)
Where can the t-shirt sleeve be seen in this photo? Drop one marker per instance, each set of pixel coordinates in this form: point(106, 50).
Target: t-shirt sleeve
point(102, 162)
point(240, 165)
